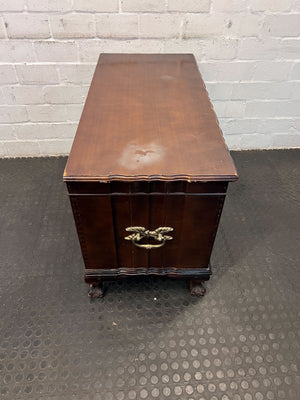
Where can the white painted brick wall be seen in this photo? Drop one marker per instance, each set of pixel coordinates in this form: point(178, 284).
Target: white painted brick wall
point(188, 5)
point(117, 25)
point(55, 51)
point(230, 5)
point(160, 25)
point(143, 6)
point(37, 74)
point(79, 25)
point(12, 5)
point(47, 113)
point(7, 74)
point(21, 25)
point(95, 6)
point(50, 5)
point(248, 52)
point(23, 94)
point(273, 6)
point(15, 51)
point(12, 114)
point(2, 29)
point(75, 73)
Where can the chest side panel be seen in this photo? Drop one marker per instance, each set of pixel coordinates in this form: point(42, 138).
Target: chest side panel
point(95, 227)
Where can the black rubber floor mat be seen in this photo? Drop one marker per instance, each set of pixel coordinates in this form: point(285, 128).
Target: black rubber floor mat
point(148, 338)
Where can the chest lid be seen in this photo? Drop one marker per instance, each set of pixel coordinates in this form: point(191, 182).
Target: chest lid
point(148, 117)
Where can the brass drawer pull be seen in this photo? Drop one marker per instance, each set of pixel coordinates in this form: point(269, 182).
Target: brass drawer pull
point(139, 232)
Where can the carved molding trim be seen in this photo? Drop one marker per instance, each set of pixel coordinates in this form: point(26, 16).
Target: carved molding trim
point(168, 271)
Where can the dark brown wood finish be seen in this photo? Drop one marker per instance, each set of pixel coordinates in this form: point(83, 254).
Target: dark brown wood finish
point(149, 153)
point(148, 117)
point(95, 228)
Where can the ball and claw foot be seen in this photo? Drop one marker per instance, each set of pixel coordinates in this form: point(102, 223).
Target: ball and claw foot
point(96, 291)
point(197, 288)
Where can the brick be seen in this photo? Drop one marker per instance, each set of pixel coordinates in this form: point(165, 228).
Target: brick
point(65, 94)
point(296, 125)
point(247, 142)
point(295, 91)
point(229, 109)
point(258, 49)
point(296, 5)
point(7, 132)
point(219, 91)
point(2, 29)
point(189, 5)
point(220, 49)
point(37, 74)
point(295, 73)
point(76, 73)
point(263, 90)
point(73, 25)
point(276, 125)
point(205, 25)
point(22, 148)
point(89, 50)
point(233, 142)
point(23, 94)
point(55, 51)
point(2, 98)
point(117, 26)
point(282, 25)
point(289, 49)
point(41, 131)
point(226, 71)
point(46, 113)
point(242, 25)
point(254, 142)
point(11, 5)
point(270, 5)
point(27, 26)
point(229, 5)
point(144, 6)
point(272, 108)
point(285, 141)
point(96, 5)
point(49, 5)
point(3, 151)
point(251, 90)
point(271, 70)
point(73, 112)
point(256, 125)
point(55, 147)
point(12, 114)
point(16, 51)
point(194, 46)
point(7, 74)
point(159, 25)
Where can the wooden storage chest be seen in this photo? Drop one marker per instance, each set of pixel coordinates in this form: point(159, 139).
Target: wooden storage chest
point(148, 171)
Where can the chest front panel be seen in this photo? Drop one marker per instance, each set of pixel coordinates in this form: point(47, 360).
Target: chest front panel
point(102, 220)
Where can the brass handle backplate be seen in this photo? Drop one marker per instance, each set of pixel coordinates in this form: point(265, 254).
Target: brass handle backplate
point(139, 232)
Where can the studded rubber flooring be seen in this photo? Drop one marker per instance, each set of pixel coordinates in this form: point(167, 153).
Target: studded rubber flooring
point(148, 338)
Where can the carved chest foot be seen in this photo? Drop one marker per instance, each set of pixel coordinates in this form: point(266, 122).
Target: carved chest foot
point(197, 288)
point(96, 290)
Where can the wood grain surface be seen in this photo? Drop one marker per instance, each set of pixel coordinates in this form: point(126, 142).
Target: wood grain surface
point(148, 117)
